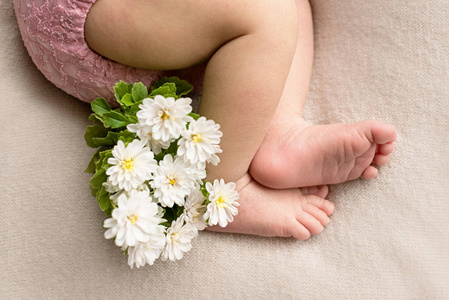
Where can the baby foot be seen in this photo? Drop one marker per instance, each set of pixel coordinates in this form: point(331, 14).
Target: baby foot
point(320, 191)
point(295, 153)
point(284, 213)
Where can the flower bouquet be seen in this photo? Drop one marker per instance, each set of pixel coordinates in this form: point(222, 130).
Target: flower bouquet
point(149, 170)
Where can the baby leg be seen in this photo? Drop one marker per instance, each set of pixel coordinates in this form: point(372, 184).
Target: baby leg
point(249, 46)
point(294, 153)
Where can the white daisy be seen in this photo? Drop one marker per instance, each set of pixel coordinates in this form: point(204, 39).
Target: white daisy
point(194, 210)
point(200, 142)
point(197, 172)
point(134, 220)
point(178, 240)
point(131, 165)
point(115, 192)
point(145, 133)
point(223, 203)
point(110, 188)
point(166, 117)
point(147, 252)
point(172, 182)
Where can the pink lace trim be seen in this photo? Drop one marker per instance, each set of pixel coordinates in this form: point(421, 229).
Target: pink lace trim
point(53, 33)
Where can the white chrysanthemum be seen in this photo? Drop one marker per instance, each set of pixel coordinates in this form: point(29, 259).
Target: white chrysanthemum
point(116, 192)
point(110, 188)
point(145, 133)
point(223, 203)
point(194, 210)
point(134, 220)
point(178, 240)
point(172, 181)
point(197, 172)
point(131, 165)
point(147, 252)
point(200, 142)
point(167, 117)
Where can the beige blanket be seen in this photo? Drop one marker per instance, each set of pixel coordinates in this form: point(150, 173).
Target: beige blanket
point(380, 59)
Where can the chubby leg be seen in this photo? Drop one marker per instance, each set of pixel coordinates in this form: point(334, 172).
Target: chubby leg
point(249, 46)
point(295, 154)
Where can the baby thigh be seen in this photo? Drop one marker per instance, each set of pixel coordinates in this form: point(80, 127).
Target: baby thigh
point(169, 34)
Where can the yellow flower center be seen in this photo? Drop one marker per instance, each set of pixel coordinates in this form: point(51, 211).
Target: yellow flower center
point(171, 180)
point(133, 218)
point(164, 116)
point(174, 237)
point(196, 138)
point(220, 202)
point(127, 164)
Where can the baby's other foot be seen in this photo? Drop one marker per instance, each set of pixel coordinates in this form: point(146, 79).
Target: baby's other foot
point(284, 213)
point(295, 154)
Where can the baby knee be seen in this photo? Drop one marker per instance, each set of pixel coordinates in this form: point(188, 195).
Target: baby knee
point(278, 20)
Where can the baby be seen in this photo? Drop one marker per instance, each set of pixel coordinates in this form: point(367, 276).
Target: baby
point(259, 60)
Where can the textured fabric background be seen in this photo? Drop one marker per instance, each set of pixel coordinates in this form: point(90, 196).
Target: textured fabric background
point(380, 59)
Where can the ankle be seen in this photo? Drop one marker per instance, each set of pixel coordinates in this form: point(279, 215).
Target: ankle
point(242, 182)
point(283, 120)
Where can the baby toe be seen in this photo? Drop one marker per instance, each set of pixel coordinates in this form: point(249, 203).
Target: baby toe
point(298, 231)
point(381, 133)
point(317, 214)
point(323, 204)
point(309, 222)
point(320, 191)
point(380, 159)
point(385, 149)
point(370, 172)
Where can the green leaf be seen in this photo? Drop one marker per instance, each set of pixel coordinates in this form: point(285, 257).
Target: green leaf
point(109, 140)
point(127, 100)
point(96, 118)
point(91, 166)
point(93, 192)
point(194, 116)
point(120, 89)
point(204, 191)
point(180, 210)
point(94, 131)
point(134, 109)
point(96, 182)
point(100, 193)
point(126, 140)
point(126, 136)
point(133, 119)
point(100, 106)
point(139, 92)
point(103, 200)
point(102, 162)
point(167, 90)
point(169, 215)
point(182, 86)
point(115, 119)
point(172, 149)
point(112, 138)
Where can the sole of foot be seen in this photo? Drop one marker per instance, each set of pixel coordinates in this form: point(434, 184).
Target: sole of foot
point(295, 153)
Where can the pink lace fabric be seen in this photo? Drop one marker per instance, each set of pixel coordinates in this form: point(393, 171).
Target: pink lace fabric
point(53, 33)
